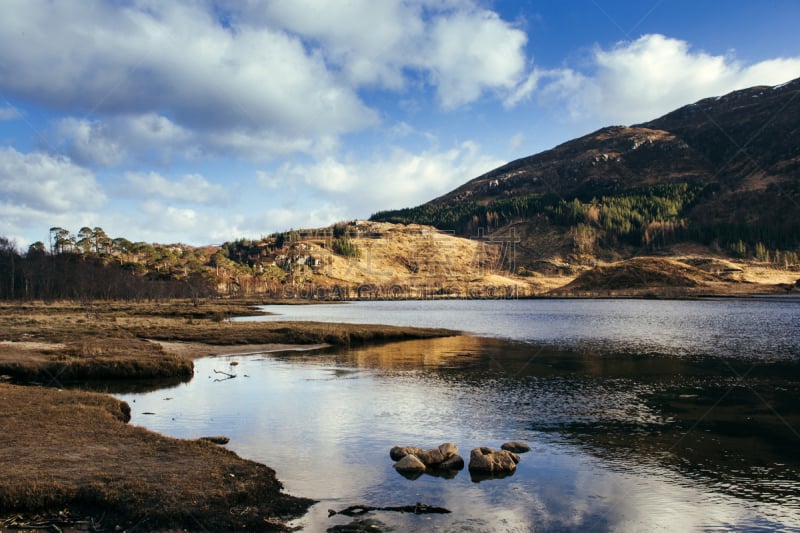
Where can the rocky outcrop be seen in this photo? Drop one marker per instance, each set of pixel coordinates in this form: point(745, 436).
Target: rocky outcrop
point(515, 446)
point(485, 460)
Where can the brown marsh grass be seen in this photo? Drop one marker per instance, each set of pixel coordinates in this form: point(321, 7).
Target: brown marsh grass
point(109, 340)
point(74, 449)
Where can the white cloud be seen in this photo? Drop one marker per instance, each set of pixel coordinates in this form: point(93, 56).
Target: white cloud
point(472, 52)
point(160, 216)
point(264, 80)
point(190, 188)
point(48, 183)
point(461, 49)
point(176, 62)
point(643, 79)
point(89, 142)
point(283, 218)
point(153, 138)
point(393, 180)
point(38, 190)
point(368, 40)
point(8, 112)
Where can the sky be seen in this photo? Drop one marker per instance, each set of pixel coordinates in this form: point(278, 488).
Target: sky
point(202, 121)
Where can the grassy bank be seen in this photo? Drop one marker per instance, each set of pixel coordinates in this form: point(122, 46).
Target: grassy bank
point(109, 340)
point(74, 450)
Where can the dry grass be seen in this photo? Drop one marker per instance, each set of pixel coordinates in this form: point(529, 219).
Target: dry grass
point(74, 449)
point(68, 448)
point(110, 340)
point(663, 277)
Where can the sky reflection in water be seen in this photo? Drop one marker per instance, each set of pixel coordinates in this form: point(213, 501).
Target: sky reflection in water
point(620, 441)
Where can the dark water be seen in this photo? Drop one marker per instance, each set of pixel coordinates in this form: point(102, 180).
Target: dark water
point(642, 415)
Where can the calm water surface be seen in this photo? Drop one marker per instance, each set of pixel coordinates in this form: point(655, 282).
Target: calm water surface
point(642, 415)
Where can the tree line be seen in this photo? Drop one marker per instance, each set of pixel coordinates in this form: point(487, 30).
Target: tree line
point(90, 265)
point(648, 217)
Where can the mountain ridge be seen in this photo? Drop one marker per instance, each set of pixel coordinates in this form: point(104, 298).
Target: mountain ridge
point(725, 167)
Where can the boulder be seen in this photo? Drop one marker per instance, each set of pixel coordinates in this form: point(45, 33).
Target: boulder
point(487, 460)
point(431, 458)
point(456, 462)
point(398, 452)
point(448, 449)
point(410, 464)
point(515, 446)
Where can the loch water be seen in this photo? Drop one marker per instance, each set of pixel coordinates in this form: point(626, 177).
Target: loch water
point(642, 415)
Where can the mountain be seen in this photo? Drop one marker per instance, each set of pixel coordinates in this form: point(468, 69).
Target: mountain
point(723, 172)
point(703, 200)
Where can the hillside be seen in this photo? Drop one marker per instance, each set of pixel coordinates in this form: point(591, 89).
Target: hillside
point(723, 173)
point(368, 260)
point(710, 193)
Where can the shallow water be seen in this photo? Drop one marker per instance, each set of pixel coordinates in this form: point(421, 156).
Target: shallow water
point(642, 415)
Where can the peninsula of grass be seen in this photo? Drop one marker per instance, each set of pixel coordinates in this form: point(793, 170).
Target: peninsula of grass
point(73, 453)
point(70, 457)
point(125, 340)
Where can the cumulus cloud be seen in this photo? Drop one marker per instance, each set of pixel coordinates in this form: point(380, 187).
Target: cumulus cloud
point(38, 190)
point(43, 182)
point(152, 138)
point(175, 61)
point(461, 49)
point(472, 52)
point(264, 80)
point(190, 188)
point(89, 142)
point(392, 180)
point(643, 79)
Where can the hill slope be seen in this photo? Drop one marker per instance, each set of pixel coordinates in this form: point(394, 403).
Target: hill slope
point(722, 172)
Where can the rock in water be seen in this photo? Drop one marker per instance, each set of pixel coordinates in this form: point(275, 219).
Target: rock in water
point(487, 460)
point(516, 446)
point(398, 452)
point(448, 449)
point(436, 456)
point(431, 458)
point(456, 462)
point(410, 464)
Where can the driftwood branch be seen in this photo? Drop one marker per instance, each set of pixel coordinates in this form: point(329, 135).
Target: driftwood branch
point(419, 508)
point(228, 376)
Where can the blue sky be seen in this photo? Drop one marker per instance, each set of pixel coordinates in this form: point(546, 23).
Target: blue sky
point(201, 121)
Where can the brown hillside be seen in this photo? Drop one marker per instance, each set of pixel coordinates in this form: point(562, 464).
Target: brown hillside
point(746, 140)
point(608, 160)
point(642, 274)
